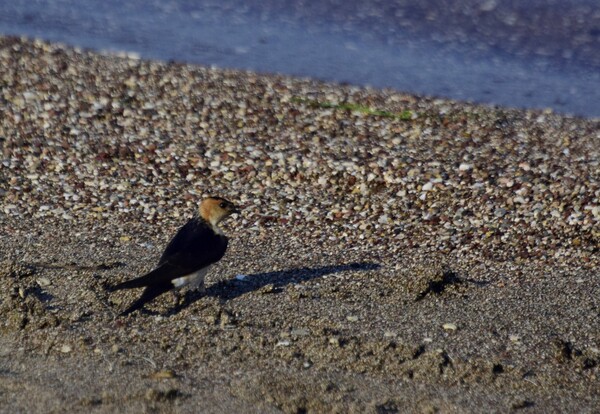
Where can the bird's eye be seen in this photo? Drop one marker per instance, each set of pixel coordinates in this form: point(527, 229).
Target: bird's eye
point(222, 205)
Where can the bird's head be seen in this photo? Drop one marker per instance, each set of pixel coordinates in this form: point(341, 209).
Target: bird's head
point(215, 209)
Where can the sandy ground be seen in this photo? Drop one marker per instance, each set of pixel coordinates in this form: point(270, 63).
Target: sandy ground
point(396, 253)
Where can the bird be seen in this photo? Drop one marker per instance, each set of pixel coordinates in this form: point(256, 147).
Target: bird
point(185, 261)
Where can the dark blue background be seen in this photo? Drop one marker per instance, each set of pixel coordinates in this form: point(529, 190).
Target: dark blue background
point(534, 54)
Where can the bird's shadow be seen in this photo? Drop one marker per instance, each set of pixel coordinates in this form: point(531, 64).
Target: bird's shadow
point(233, 288)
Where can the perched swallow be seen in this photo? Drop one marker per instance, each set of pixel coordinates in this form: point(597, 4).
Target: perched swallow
point(188, 256)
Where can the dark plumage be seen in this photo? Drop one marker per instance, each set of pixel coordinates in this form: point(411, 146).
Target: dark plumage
point(197, 245)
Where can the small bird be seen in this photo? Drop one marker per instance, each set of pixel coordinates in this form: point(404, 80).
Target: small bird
point(188, 256)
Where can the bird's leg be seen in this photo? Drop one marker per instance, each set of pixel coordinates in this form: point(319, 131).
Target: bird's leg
point(195, 292)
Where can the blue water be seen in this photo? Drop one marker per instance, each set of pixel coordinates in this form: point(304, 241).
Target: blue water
point(331, 46)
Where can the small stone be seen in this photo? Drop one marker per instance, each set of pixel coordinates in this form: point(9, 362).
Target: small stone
point(43, 281)
point(65, 349)
point(500, 212)
point(163, 374)
point(352, 318)
point(450, 327)
point(520, 200)
point(284, 342)
point(300, 332)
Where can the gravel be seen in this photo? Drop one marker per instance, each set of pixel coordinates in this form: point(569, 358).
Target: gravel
point(398, 253)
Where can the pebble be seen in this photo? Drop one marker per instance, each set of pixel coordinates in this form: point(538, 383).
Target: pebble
point(427, 187)
point(163, 374)
point(43, 282)
point(500, 212)
point(300, 332)
point(449, 327)
point(334, 341)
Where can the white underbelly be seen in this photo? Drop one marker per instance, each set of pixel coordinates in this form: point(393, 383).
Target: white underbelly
point(194, 280)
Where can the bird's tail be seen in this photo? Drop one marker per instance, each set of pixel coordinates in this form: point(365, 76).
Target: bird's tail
point(149, 293)
point(154, 277)
point(129, 284)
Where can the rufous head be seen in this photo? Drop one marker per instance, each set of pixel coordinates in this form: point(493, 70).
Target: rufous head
point(215, 209)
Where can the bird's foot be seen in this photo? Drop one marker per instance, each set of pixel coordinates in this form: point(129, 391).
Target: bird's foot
point(194, 293)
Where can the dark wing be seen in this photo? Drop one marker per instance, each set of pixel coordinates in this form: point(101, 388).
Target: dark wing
point(194, 247)
point(198, 233)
